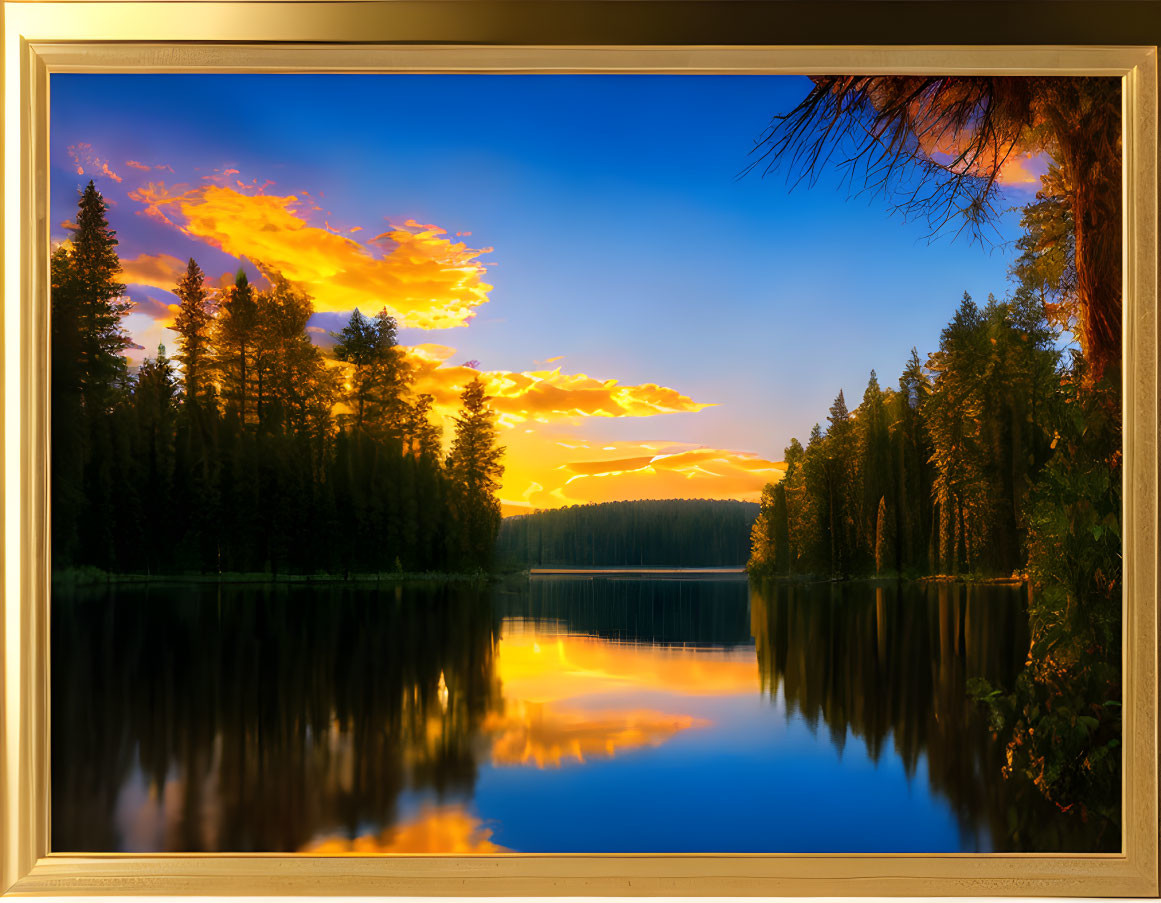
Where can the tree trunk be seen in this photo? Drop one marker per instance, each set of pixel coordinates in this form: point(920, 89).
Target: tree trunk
point(1089, 140)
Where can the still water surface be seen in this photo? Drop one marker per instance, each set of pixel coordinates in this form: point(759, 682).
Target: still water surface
point(558, 714)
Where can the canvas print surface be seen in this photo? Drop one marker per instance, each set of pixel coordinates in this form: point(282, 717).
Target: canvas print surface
point(590, 463)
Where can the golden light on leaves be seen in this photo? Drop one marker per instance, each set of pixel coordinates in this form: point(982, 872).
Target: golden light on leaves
point(441, 829)
point(423, 278)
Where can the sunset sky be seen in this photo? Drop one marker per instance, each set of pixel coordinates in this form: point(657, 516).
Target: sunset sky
point(648, 324)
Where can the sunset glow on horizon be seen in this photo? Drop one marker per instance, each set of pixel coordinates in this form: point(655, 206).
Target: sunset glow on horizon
point(646, 327)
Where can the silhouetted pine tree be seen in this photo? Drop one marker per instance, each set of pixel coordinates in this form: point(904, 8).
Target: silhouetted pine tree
point(475, 469)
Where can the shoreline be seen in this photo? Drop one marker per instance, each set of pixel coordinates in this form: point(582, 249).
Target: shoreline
point(97, 578)
point(967, 579)
point(628, 570)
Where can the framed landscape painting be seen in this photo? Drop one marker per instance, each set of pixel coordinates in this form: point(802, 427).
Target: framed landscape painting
point(515, 468)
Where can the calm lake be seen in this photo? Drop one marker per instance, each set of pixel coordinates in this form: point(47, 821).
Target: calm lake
point(551, 714)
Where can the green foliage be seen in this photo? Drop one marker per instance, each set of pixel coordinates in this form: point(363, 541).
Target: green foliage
point(377, 384)
point(1062, 720)
point(770, 534)
point(949, 457)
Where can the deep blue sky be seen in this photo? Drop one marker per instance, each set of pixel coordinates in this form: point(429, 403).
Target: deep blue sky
point(623, 239)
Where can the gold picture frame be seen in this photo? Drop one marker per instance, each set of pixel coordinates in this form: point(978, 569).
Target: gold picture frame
point(41, 38)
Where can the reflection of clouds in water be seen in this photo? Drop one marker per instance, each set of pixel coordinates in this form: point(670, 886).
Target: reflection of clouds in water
point(143, 813)
point(149, 819)
point(547, 735)
point(436, 829)
point(545, 667)
point(546, 676)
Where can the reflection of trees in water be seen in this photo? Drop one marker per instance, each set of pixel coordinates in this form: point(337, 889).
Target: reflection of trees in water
point(890, 664)
point(675, 611)
point(264, 715)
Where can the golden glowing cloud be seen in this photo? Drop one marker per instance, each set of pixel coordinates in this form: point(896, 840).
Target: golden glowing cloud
point(443, 829)
point(158, 270)
point(542, 395)
point(546, 469)
point(420, 276)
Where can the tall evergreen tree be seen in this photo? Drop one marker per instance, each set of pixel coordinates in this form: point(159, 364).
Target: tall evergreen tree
point(475, 467)
point(379, 372)
point(874, 460)
point(235, 340)
point(89, 377)
point(192, 325)
point(99, 304)
point(839, 483)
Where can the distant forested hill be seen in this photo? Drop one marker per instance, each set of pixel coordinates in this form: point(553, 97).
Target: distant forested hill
point(673, 532)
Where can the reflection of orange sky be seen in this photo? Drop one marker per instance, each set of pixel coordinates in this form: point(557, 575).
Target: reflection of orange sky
point(543, 667)
point(443, 829)
point(547, 736)
point(546, 720)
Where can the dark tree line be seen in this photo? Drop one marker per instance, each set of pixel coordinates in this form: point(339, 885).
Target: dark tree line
point(932, 475)
point(670, 532)
point(249, 451)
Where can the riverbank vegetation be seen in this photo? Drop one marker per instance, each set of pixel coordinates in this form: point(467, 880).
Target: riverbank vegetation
point(643, 533)
point(1000, 452)
point(249, 451)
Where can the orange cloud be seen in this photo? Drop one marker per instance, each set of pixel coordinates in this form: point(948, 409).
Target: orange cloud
point(544, 469)
point(443, 829)
point(1024, 169)
point(158, 270)
point(134, 164)
point(424, 279)
point(83, 156)
point(1019, 167)
point(542, 395)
